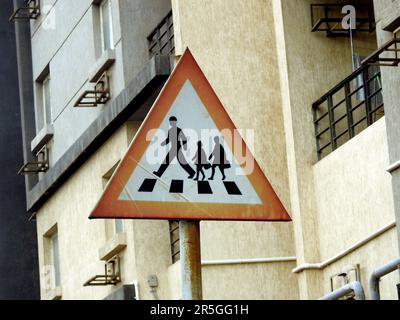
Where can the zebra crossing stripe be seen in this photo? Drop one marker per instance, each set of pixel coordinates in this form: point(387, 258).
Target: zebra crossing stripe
point(148, 185)
point(203, 187)
point(176, 186)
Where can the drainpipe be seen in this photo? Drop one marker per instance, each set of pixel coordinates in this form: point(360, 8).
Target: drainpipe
point(379, 273)
point(247, 261)
point(351, 288)
point(25, 79)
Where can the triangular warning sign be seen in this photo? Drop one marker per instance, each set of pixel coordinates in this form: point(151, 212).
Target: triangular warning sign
point(189, 162)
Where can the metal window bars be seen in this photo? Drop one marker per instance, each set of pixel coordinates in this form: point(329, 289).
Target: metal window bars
point(347, 109)
point(161, 39)
point(99, 95)
point(111, 276)
point(328, 18)
point(36, 166)
point(31, 10)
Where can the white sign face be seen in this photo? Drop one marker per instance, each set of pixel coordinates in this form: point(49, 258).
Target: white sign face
point(189, 162)
point(195, 122)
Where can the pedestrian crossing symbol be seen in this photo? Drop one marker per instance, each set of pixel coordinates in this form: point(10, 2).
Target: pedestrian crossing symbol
point(188, 161)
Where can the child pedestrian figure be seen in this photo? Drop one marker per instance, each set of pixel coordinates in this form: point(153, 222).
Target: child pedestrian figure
point(200, 160)
point(219, 160)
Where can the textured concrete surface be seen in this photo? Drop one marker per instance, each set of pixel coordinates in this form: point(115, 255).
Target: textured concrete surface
point(391, 96)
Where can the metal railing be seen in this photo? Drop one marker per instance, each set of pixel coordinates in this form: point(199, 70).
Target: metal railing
point(328, 17)
point(347, 109)
point(29, 10)
point(161, 39)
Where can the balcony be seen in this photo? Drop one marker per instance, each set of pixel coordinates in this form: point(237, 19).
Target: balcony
point(98, 95)
point(328, 18)
point(40, 165)
point(30, 10)
point(161, 39)
point(347, 109)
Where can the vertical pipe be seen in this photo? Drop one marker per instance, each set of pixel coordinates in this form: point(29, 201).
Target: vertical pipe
point(352, 47)
point(316, 130)
point(349, 110)
point(190, 260)
point(332, 126)
point(378, 274)
point(365, 74)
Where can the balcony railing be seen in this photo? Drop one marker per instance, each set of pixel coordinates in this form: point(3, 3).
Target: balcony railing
point(347, 109)
point(161, 39)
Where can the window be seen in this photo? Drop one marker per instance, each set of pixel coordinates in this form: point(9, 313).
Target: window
point(52, 258)
point(106, 25)
point(56, 259)
point(115, 226)
point(43, 116)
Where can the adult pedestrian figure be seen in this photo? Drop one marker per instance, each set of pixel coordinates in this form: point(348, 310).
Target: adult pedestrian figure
point(219, 160)
point(177, 139)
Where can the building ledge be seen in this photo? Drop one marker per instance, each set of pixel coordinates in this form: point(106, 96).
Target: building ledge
point(42, 138)
point(130, 102)
point(102, 65)
point(113, 247)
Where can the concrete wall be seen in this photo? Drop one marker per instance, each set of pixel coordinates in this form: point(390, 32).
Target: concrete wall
point(19, 272)
point(305, 74)
point(331, 193)
point(235, 47)
point(139, 18)
point(79, 238)
point(354, 201)
point(386, 12)
point(369, 205)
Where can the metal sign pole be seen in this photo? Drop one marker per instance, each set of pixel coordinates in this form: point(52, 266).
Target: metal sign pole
point(189, 234)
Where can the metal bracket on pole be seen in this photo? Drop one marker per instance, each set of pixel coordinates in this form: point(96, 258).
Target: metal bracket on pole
point(190, 260)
